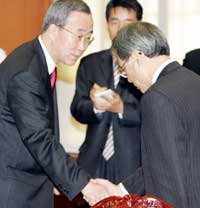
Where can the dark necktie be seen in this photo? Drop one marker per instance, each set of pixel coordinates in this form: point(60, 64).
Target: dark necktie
point(53, 78)
point(109, 151)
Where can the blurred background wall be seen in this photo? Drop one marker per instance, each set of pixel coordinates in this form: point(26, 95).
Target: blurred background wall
point(21, 20)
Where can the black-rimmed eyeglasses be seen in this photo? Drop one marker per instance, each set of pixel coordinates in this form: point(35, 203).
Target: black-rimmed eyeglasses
point(121, 68)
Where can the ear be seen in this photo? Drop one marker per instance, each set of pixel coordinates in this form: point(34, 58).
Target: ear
point(137, 54)
point(52, 31)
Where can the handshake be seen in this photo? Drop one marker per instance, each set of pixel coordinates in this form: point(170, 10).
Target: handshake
point(98, 189)
point(104, 194)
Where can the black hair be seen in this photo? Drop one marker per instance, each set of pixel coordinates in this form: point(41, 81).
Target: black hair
point(128, 4)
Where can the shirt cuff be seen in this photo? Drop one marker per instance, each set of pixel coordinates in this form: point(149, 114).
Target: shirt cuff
point(98, 111)
point(123, 189)
point(120, 115)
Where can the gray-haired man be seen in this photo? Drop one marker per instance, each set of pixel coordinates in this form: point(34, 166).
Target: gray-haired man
point(170, 118)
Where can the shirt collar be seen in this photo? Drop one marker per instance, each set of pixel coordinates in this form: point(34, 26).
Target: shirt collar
point(160, 69)
point(114, 63)
point(50, 63)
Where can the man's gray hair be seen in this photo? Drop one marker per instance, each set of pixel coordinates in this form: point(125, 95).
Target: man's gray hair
point(141, 36)
point(59, 11)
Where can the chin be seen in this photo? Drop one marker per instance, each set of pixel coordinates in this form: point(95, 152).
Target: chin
point(70, 62)
point(130, 81)
point(137, 86)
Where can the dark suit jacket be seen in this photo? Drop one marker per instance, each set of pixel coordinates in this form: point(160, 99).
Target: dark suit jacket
point(192, 61)
point(31, 157)
point(170, 139)
point(98, 68)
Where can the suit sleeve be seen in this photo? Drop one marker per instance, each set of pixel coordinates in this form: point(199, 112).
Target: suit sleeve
point(135, 182)
point(81, 106)
point(29, 104)
point(131, 115)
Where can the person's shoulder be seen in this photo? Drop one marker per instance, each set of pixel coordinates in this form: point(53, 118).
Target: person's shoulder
point(23, 51)
point(21, 57)
point(195, 52)
point(192, 60)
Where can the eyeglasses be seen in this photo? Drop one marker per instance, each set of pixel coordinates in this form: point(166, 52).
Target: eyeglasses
point(121, 68)
point(87, 40)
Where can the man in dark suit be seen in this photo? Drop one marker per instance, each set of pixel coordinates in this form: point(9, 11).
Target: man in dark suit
point(32, 161)
point(170, 116)
point(192, 60)
point(96, 74)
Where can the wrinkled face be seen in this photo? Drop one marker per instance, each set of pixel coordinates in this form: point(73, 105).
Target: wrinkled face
point(119, 17)
point(73, 38)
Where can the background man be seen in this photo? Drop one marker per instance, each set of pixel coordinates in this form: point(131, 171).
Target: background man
point(192, 60)
point(116, 121)
point(170, 116)
point(32, 160)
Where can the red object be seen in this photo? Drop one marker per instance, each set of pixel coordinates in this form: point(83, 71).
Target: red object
point(132, 201)
point(53, 78)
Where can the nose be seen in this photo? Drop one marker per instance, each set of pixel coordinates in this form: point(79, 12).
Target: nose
point(122, 24)
point(82, 45)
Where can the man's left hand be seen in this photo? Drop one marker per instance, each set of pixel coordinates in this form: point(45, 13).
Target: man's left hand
point(115, 104)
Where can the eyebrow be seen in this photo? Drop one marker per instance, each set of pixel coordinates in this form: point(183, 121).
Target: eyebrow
point(116, 19)
point(82, 30)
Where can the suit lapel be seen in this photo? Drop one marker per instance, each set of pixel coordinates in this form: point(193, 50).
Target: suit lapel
point(41, 56)
point(106, 68)
point(43, 69)
point(55, 110)
point(44, 74)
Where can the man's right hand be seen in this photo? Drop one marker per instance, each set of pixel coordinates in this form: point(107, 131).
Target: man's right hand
point(93, 193)
point(98, 105)
point(111, 188)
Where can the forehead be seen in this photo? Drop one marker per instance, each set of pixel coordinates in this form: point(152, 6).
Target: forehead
point(122, 13)
point(80, 21)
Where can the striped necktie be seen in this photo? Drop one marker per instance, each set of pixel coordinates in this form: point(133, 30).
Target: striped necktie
point(53, 78)
point(109, 151)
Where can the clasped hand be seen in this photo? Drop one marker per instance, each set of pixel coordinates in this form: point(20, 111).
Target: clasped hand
point(98, 189)
point(114, 104)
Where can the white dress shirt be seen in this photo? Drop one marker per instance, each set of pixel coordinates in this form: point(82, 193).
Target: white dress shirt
point(50, 62)
point(160, 69)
